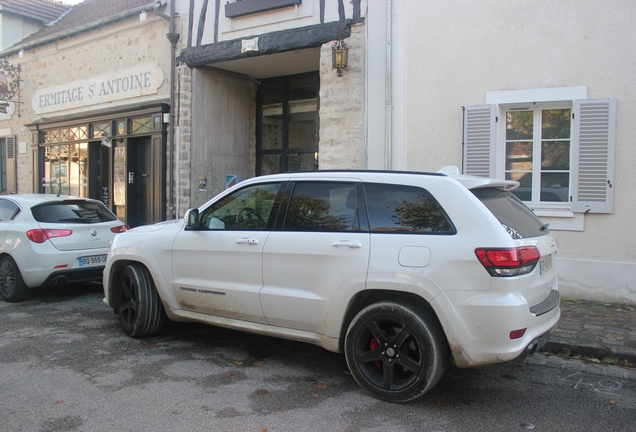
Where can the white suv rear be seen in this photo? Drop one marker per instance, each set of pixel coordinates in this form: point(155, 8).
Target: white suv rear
point(402, 272)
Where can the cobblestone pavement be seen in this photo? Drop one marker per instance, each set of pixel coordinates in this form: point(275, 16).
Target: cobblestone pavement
point(598, 338)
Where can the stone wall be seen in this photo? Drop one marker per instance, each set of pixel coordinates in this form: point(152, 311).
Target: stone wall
point(342, 107)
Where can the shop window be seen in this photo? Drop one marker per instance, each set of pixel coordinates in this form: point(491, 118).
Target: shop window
point(101, 129)
point(65, 170)
point(287, 124)
point(67, 134)
point(141, 125)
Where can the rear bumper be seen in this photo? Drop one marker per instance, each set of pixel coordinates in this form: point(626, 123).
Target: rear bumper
point(74, 275)
point(478, 325)
point(536, 344)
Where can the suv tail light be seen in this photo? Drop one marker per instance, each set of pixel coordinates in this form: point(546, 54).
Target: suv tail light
point(119, 229)
point(42, 235)
point(509, 261)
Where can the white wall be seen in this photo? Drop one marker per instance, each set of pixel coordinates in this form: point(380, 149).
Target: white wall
point(457, 51)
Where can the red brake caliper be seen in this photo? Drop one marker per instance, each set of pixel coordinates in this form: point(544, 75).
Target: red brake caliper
point(375, 345)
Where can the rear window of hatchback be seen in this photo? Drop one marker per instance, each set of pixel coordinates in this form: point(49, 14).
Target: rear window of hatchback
point(514, 215)
point(88, 212)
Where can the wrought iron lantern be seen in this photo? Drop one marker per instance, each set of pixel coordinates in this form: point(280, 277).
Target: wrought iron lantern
point(339, 56)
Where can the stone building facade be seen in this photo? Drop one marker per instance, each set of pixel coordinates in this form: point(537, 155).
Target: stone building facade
point(90, 117)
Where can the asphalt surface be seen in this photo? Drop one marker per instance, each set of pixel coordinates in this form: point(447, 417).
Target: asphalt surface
point(67, 366)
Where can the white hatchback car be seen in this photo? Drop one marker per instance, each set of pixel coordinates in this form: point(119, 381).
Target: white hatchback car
point(402, 272)
point(50, 240)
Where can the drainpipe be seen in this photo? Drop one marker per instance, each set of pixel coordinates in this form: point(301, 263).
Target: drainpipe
point(388, 139)
point(173, 38)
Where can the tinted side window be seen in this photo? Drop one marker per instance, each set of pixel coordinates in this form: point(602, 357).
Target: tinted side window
point(322, 207)
point(246, 209)
point(72, 211)
point(408, 209)
point(518, 219)
point(8, 210)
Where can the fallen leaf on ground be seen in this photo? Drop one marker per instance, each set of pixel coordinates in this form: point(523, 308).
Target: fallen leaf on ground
point(444, 402)
point(261, 392)
point(322, 386)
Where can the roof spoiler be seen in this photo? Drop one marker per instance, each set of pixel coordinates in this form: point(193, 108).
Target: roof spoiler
point(474, 182)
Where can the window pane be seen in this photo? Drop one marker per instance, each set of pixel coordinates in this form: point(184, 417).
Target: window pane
point(519, 125)
point(8, 210)
point(555, 155)
point(555, 187)
point(302, 162)
point(303, 112)
point(270, 164)
point(408, 209)
point(322, 207)
point(524, 191)
point(141, 125)
point(519, 156)
point(555, 124)
point(246, 209)
point(101, 129)
point(518, 219)
point(72, 211)
point(272, 116)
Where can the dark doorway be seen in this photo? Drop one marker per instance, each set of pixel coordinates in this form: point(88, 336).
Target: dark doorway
point(139, 186)
point(98, 171)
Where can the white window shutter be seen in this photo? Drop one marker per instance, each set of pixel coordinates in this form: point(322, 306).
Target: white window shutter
point(479, 140)
point(593, 150)
point(11, 187)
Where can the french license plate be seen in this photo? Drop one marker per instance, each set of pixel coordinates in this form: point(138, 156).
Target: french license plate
point(92, 260)
point(545, 264)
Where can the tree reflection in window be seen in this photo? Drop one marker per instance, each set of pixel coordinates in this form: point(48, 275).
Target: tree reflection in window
point(322, 207)
point(395, 208)
point(246, 209)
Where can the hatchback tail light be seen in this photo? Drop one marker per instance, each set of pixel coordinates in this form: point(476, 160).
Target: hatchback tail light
point(120, 229)
point(42, 235)
point(509, 261)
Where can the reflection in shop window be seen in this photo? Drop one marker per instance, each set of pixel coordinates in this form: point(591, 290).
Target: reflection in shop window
point(65, 170)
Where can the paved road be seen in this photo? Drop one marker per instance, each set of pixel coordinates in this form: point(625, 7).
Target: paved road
point(65, 365)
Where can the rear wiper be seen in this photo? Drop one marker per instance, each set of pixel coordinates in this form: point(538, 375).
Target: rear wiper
point(76, 219)
point(544, 227)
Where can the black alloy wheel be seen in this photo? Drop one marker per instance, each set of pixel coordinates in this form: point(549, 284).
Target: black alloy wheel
point(395, 352)
point(139, 305)
point(12, 287)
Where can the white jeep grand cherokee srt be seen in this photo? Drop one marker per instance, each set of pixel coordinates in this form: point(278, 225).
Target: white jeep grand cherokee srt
point(401, 271)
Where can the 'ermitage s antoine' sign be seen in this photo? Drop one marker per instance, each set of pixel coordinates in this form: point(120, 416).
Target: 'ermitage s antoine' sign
point(134, 82)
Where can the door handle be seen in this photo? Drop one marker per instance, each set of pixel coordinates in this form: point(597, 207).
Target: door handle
point(247, 241)
point(348, 244)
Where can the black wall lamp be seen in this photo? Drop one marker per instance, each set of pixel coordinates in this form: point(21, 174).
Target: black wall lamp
point(339, 56)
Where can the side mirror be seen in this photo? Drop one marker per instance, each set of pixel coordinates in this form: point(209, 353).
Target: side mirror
point(191, 219)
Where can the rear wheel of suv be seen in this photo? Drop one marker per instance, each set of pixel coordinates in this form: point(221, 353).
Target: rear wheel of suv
point(12, 287)
point(139, 305)
point(395, 352)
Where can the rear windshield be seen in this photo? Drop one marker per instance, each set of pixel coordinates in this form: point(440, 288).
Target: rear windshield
point(73, 211)
point(518, 219)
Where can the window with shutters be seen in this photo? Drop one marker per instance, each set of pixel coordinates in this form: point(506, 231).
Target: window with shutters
point(537, 154)
point(556, 143)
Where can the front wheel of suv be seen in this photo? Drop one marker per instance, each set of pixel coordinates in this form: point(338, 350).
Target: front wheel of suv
point(395, 352)
point(139, 305)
